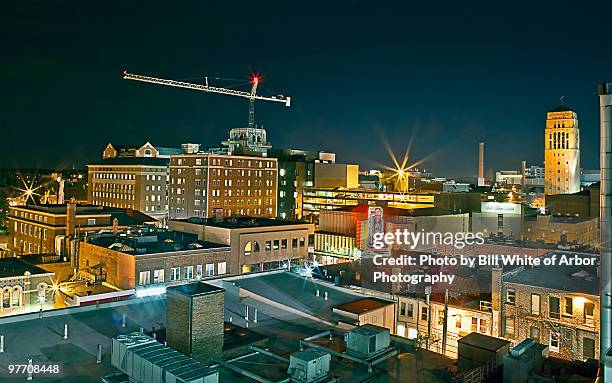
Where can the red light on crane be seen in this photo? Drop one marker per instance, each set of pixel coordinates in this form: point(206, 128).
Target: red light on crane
point(255, 79)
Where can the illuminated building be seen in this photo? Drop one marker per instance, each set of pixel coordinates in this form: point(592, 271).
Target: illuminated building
point(146, 258)
point(555, 305)
point(258, 244)
point(24, 287)
point(44, 229)
point(139, 183)
point(562, 152)
point(317, 200)
point(202, 185)
point(296, 170)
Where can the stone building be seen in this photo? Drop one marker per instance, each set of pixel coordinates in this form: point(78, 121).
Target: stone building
point(257, 244)
point(554, 305)
point(562, 152)
point(202, 185)
point(24, 287)
point(151, 258)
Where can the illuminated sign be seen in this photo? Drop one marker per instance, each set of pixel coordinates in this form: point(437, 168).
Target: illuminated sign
point(375, 224)
point(500, 207)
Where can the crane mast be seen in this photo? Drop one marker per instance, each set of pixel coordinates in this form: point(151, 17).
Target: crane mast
point(252, 95)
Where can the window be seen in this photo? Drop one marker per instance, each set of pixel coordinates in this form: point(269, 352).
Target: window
point(158, 276)
point(91, 221)
point(535, 304)
point(589, 309)
point(569, 306)
point(424, 313)
point(284, 244)
point(276, 242)
point(199, 271)
point(510, 325)
point(588, 348)
point(221, 268)
point(302, 241)
point(410, 310)
point(511, 296)
point(294, 242)
point(554, 341)
point(210, 269)
point(268, 245)
point(554, 307)
point(248, 248)
point(474, 327)
point(458, 321)
point(534, 333)
point(189, 272)
point(175, 273)
point(144, 278)
point(403, 308)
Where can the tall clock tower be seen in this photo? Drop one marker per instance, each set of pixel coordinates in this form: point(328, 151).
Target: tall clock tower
point(562, 152)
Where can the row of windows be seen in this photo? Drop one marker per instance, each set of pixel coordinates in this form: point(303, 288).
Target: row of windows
point(554, 305)
point(28, 247)
point(31, 230)
point(121, 196)
point(112, 186)
point(254, 247)
point(176, 274)
point(31, 216)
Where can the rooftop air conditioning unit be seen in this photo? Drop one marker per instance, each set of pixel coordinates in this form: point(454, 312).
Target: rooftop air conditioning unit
point(367, 341)
point(309, 366)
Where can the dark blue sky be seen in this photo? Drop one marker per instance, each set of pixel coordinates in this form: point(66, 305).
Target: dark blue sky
point(453, 72)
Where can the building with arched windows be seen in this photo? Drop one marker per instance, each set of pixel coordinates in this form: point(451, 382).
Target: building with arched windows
point(24, 287)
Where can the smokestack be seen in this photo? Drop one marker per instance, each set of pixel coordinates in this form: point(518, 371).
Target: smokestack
point(481, 180)
point(605, 212)
point(523, 174)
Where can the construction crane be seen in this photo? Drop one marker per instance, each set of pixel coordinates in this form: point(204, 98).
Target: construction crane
point(252, 95)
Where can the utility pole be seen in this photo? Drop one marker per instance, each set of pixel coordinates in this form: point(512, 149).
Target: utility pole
point(445, 324)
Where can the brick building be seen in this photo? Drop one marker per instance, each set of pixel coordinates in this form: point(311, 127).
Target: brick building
point(554, 305)
point(257, 244)
point(43, 229)
point(194, 317)
point(139, 183)
point(151, 257)
point(202, 184)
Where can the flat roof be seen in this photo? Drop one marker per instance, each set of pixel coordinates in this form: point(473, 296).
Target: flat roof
point(152, 241)
point(239, 222)
point(299, 293)
point(195, 289)
point(484, 342)
point(134, 161)
point(570, 278)
point(15, 267)
point(364, 305)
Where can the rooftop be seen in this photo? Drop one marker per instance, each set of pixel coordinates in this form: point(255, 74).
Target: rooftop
point(149, 240)
point(13, 267)
point(125, 217)
point(364, 305)
point(239, 222)
point(136, 161)
point(195, 289)
point(482, 341)
point(560, 108)
point(576, 279)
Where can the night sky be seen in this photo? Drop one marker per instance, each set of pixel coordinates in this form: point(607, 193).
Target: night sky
point(451, 73)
